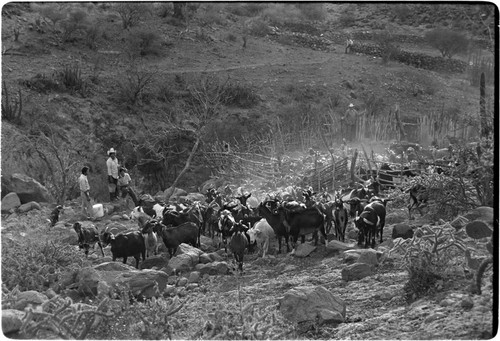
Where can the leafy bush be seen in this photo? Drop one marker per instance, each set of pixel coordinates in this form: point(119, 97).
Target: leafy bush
point(430, 256)
point(143, 42)
point(76, 21)
point(385, 41)
point(401, 11)
point(211, 15)
point(52, 12)
point(242, 96)
point(278, 13)
point(131, 12)
point(448, 42)
point(347, 19)
point(35, 266)
point(258, 28)
point(231, 37)
point(312, 11)
point(249, 9)
point(92, 34)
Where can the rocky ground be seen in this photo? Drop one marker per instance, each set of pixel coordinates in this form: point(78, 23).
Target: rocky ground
point(375, 305)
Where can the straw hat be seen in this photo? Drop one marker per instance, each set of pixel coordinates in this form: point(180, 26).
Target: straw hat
point(351, 105)
point(111, 151)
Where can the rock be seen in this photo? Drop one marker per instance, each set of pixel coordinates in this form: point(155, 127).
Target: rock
point(357, 271)
point(396, 217)
point(116, 228)
point(353, 234)
point(402, 230)
point(12, 320)
point(103, 290)
point(169, 289)
point(467, 303)
point(303, 250)
point(172, 194)
point(214, 268)
point(194, 277)
point(312, 304)
point(182, 282)
point(172, 280)
point(183, 262)
point(337, 246)
point(366, 256)
point(189, 250)
point(29, 297)
point(192, 197)
point(483, 213)
point(215, 257)
point(446, 302)
point(191, 286)
point(204, 258)
point(435, 316)
point(10, 202)
point(87, 280)
point(32, 205)
point(113, 266)
point(116, 217)
point(154, 261)
point(27, 189)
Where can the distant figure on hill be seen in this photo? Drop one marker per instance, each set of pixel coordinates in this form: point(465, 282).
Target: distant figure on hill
point(348, 45)
point(348, 123)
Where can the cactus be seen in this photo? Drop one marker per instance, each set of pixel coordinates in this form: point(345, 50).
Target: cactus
point(11, 111)
point(478, 229)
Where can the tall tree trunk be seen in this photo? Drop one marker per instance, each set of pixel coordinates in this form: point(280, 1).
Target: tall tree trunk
point(485, 129)
point(170, 190)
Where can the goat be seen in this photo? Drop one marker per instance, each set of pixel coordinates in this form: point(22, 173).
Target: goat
point(340, 218)
point(238, 243)
point(418, 198)
point(150, 239)
point(54, 215)
point(226, 222)
point(356, 206)
point(275, 222)
point(176, 235)
point(87, 237)
point(260, 235)
point(126, 244)
point(370, 222)
point(303, 222)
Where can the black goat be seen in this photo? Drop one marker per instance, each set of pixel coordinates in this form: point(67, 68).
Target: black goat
point(54, 215)
point(274, 220)
point(340, 218)
point(87, 237)
point(370, 222)
point(174, 236)
point(239, 242)
point(127, 244)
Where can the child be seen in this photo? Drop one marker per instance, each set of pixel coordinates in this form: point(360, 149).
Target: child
point(124, 182)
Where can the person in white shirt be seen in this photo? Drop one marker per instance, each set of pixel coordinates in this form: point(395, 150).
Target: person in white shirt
point(124, 185)
point(112, 165)
point(85, 193)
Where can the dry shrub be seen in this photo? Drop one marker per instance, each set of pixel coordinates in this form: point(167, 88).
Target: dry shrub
point(250, 9)
point(257, 27)
point(143, 42)
point(312, 10)
point(278, 13)
point(211, 15)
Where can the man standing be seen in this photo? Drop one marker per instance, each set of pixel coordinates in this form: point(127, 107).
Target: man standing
point(349, 123)
point(83, 183)
point(112, 165)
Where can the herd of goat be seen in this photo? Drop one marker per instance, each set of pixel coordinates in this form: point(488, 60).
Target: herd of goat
point(240, 227)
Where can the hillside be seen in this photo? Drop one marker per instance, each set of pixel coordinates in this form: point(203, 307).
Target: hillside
point(285, 75)
point(255, 93)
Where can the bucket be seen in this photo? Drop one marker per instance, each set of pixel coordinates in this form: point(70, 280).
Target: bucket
point(98, 210)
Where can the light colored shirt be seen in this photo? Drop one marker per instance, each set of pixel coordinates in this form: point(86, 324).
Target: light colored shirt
point(124, 180)
point(83, 182)
point(112, 167)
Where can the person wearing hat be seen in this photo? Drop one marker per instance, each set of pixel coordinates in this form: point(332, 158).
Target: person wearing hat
point(124, 182)
point(348, 123)
point(83, 183)
point(112, 165)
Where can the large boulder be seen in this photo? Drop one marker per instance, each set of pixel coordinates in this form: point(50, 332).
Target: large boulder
point(335, 246)
point(192, 197)
point(183, 262)
point(141, 283)
point(28, 189)
point(154, 261)
point(214, 268)
point(357, 271)
point(32, 205)
point(396, 217)
point(367, 256)
point(10, 202)
point(12, 320)
point(312, 304)
point(402, 230)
